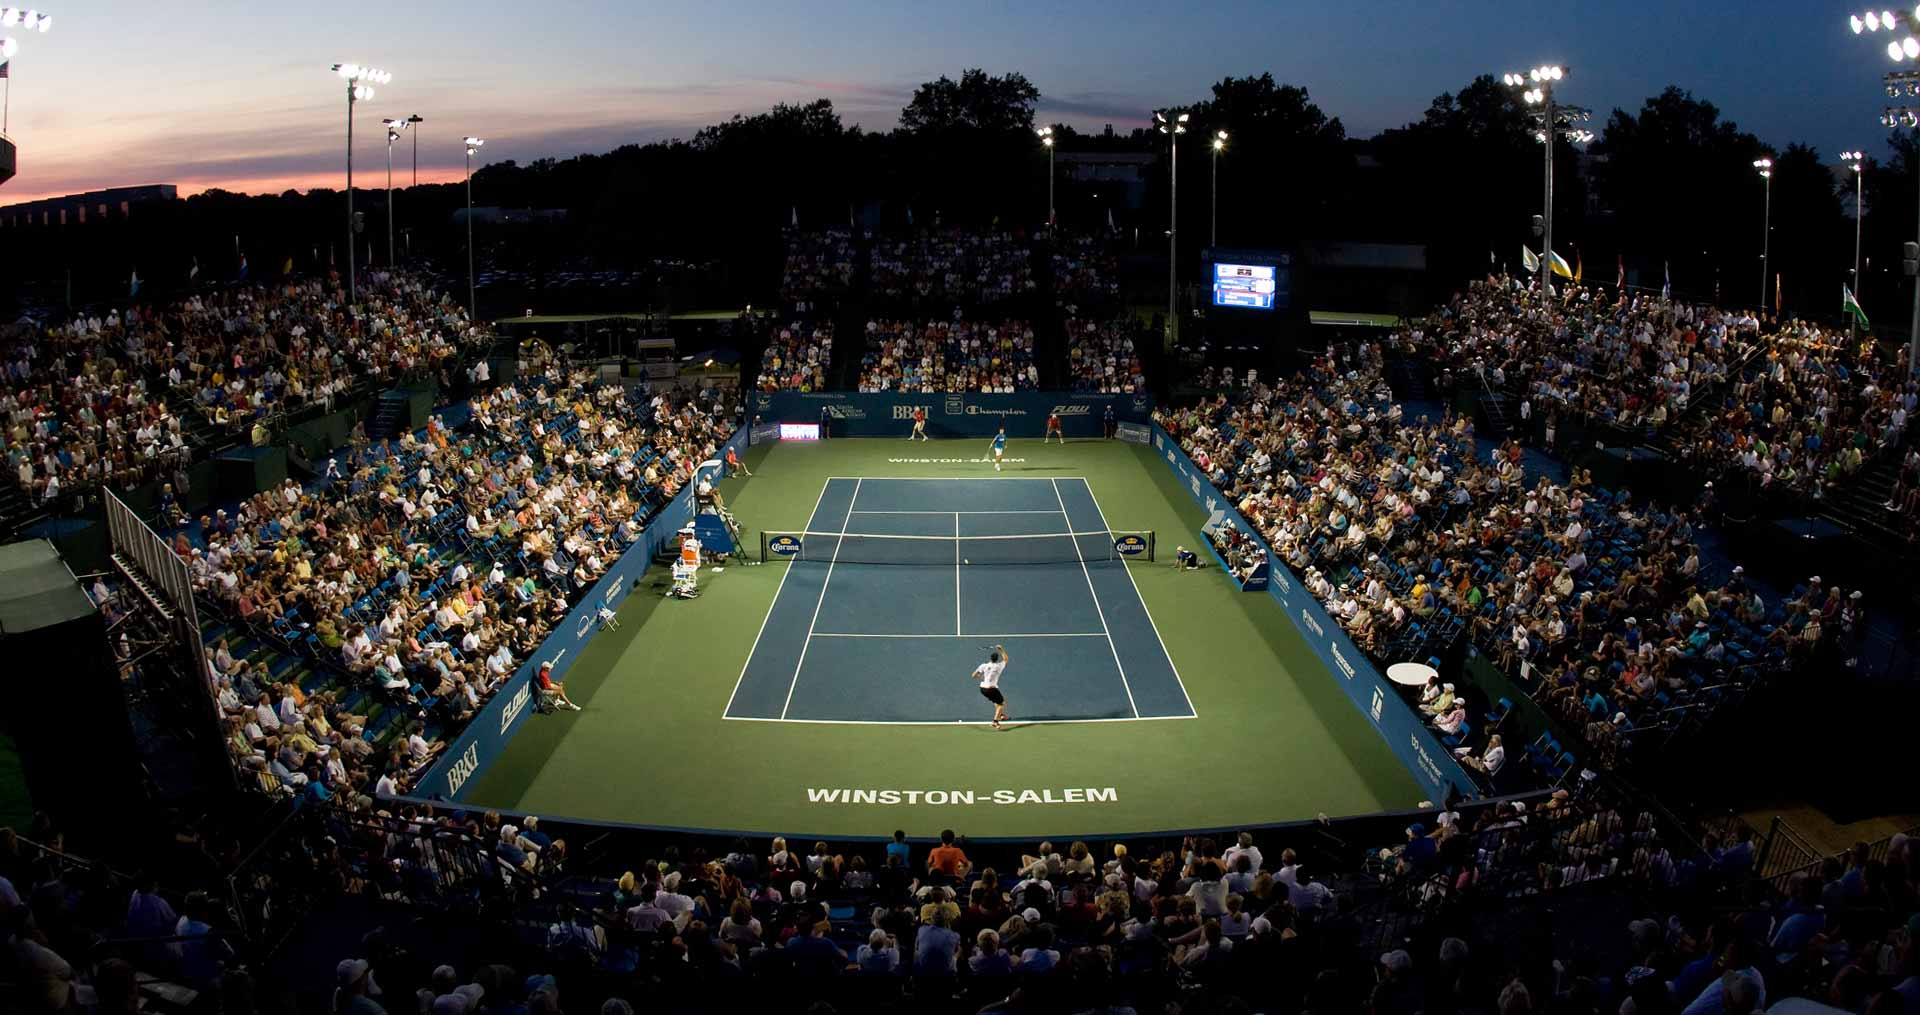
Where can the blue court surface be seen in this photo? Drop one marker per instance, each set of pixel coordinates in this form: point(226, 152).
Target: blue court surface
point(850, 639)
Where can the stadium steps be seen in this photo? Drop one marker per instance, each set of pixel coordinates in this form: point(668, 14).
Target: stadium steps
point(387, 415)
point(203, 435)
point(1860, 505)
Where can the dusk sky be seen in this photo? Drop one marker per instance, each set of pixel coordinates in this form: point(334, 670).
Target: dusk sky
point(238, 95)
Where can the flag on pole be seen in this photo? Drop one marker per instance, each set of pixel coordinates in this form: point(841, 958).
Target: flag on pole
point(1579, 264)
point(194, 271)
point(1849, 305)
point(1620, 276)
point(796, 216)
point(243, 267)
point(1666, 288)
point(1528, 260)
point(1110, 227)
point(1558, 265)
point(1776, 294)
point(133, 284)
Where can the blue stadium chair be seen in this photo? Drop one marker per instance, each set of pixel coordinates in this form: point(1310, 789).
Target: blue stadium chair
point(1500, 712)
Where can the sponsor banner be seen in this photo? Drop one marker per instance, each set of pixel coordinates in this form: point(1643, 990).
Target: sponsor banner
point(1132, 433)
point(1410, 740)
point(763, 433)
point(963, 797)
point(487, 735)
point(890, 414)
point(1130, 545)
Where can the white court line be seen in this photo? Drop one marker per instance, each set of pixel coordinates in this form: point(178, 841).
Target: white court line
point(1088, 575)
point(824, 582)
point(1014, 723)
point(1049, 511)
point(776, 601)
point(1143, 603)
point(984, 637)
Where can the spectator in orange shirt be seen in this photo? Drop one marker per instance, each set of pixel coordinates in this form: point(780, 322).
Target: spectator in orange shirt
point(947, 859)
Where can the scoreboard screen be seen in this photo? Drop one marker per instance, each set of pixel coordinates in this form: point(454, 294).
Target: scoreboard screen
point(1245, 285)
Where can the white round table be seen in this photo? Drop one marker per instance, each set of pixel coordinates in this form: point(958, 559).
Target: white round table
point(1411, 674)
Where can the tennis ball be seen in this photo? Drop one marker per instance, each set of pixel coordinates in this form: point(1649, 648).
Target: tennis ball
point(966, 562)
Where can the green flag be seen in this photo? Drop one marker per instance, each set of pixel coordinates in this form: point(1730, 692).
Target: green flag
point(1852, 306)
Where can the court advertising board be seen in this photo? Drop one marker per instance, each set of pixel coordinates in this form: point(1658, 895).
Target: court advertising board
point(890, 414)
point(487, 735)
point(1418, 749)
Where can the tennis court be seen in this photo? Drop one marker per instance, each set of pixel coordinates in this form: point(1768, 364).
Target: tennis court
point(683, 729)
point(898, 587)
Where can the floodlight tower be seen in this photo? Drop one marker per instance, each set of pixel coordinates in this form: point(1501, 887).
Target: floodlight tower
point(1554, 120)
point(473, 145)
point(1900, 49)
point(1172, 126)
point(360, 81)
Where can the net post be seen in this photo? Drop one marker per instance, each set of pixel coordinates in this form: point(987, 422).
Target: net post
point(763, 546)
point(1150, 538)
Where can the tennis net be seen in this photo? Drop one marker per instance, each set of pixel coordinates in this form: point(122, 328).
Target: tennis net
point(948, 551)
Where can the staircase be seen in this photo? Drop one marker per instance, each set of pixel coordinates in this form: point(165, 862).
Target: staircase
point(1499, 415)
point(1860, 504)
point(203, 435)
point(389, 413)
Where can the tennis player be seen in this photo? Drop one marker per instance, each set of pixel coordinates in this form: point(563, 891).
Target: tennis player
point(988, 674)
point(999, 447)
point(919, 423)
point(1053, 429)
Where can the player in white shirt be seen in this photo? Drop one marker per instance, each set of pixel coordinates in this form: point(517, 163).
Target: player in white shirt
point(988, 674)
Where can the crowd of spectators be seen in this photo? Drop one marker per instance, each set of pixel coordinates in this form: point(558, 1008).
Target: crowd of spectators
point(798, 357)
point(952, 264)
point(86, 401)
point(949, 356)
point(245, 353)
point(819, 264)
point(1634, 361)
point(1412, 537)
point(1194, 925)
point(422, 573)
point(1101, 357)
point(1807, 415)
point(1086, 273)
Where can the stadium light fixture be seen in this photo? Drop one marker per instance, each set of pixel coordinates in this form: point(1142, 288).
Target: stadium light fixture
point(473, 145)
point(1764, 166)
point(1046, 141)
point(1897, 82)
point(1173, 127)
point(1213, 188)
point(26, 20)
point(1536, 89)
point(394, 127)
point(1856, 161)
point(360, 80)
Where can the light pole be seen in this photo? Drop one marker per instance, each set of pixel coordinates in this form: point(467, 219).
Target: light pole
point(1555, 121)
point(29, 21)
point(473, 317)
point(1046, 140)
point(414, 122)
point(360, 81)
point(393, 134)
point(1856, 161)
point(1765, 168)
point(1213, 231)
point(1172, 128)
point(1902, 116)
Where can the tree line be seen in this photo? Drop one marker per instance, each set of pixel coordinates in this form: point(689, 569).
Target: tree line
point(1669, 186)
